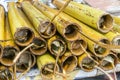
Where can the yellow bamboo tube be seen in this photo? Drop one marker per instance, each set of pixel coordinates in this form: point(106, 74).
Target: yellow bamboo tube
point(95, 18)
point(26, 60)
point(68, 62)
point(10, 48)
point(85, 63)
point(116, 28)
point(2, 22)
point(39, 20)
point(116, 20)
point(106, 65)
point(55, 43)
point(22, 33)
point(64, 25)
point(46, 61)
point(40, 45)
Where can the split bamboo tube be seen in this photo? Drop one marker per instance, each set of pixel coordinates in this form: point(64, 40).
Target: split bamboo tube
point(93, 47)
point(85, 63)
point(109, 62)
point(44, 62)
point(2, 23)
point(26, 60)
point(10, 48)
point(22, 33)
point(39, 20)
point(40, 45)
point(64, 25)
point(68, 62)
point(95, 18)
point(55, 43)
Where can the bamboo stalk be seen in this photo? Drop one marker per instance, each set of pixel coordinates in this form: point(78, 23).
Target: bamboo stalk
point(10, 48)
point(21, 31)
point(39, 20)
point(95, 18)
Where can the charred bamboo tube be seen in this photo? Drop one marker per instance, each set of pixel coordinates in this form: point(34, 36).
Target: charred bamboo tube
point(39, 20)
point(95, 18)
point(46, 61)
point(26, 60)
point(10, 49)
point(40, 45)
point(2, 23)
point(68, 62)
point(85, 63)
point(108, 62)
point(75, 46)
point(65, 26)
point(55, 43)
point(22, 33)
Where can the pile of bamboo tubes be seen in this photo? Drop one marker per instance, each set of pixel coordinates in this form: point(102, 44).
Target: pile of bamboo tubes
point(59, 40)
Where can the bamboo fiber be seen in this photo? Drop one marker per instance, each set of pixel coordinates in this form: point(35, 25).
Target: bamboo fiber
point(10, 48)
point(64, 25)
point(93, 47)
point(55, 43)
point(46, 61)
point(21, 32)
point(95, 18)
point(39, 20)
point(2, 23)
point(40, 45)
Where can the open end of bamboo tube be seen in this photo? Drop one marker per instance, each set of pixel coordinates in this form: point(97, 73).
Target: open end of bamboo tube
point(39, 47)
point(47, 29)
point(118, 57)
point(76, 48)
point(70, 32)
point(101, 51)
point(105, 23)
point(24, 36)
point(56, 45)
point(1, 51)
point(9, 54)
point(69, 64)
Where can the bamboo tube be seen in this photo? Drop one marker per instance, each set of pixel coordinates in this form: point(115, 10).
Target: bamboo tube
point(40, 45)
point(68, 62)
point(93, 47)
point(95, 18)
point(118, 57)
point(55, 43)
point(85, 63)
point(26, 60)
point(116, 20)
point(10, 48)
point(116, 28)
point(39, 20)
point(2, 22)
point(106, 62)
point(64, 25)
point(46, 61)
point(22, 33)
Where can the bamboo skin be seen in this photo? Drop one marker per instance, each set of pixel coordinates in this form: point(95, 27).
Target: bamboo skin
point(46, 61)
point(22, 33)
point(64, 25)
point(95, 18)
point(39, 20)
point(10, 48)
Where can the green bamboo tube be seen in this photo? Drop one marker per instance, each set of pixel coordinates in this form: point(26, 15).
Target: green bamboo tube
point(40, 45)
point(46, 61)
point(21, 32)
point(64, 25)
point(55, 43)
point(10, 48)
point(68, 62)
point(93, 47)
point(39, 20)
point(2, 23)
point(108, 65)
point(95, 18)
point(85, 63)
point(27, 59)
